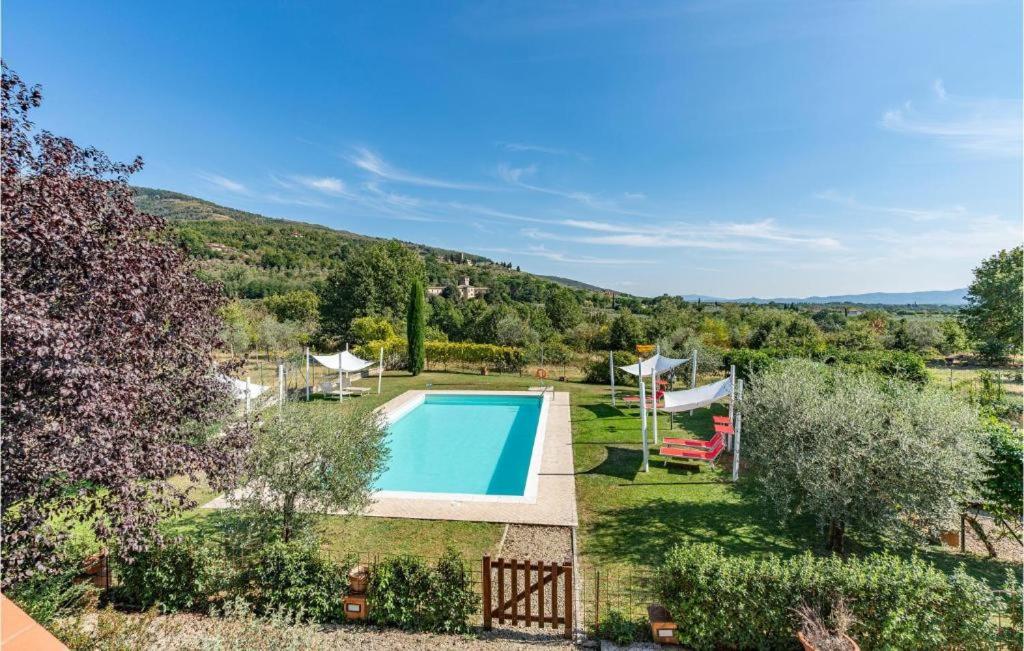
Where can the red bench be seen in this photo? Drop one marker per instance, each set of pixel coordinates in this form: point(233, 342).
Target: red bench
point(690, 454)
point(695, 443)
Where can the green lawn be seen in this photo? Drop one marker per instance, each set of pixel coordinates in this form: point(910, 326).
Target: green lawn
point(626, 516)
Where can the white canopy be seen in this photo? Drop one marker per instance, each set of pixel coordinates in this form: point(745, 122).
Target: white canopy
point(658, 363)
point(242, 388)
point(700, 397)
point(344, 361)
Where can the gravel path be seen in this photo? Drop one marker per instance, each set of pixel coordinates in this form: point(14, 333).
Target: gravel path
point(524, 541)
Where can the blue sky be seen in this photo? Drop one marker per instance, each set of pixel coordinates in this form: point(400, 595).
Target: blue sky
point(719, 147)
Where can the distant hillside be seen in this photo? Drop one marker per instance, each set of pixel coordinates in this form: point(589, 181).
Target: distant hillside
point(937, 297)
point(256, 256)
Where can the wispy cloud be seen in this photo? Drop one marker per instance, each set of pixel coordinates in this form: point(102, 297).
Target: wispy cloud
point(517, 176)
point(223, 182)
point(541, 149)
point(325, 184)
point(567, 258)
point(983, 126)
point(913, 214)
point(369, 161)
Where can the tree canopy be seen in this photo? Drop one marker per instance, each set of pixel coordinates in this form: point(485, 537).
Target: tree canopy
point(995, 301)
point(108, 389)
point(859, 454)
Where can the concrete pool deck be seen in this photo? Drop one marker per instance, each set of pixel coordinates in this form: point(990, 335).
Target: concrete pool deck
point(555, 503)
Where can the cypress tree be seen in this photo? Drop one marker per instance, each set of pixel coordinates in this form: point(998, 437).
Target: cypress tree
point(415, 326)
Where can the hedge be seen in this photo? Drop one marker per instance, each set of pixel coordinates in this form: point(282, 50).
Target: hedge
point(597, 371)
point(447, 353)
point(744, 602)
point(896, 364)
point(407, 593)
point(179, 576)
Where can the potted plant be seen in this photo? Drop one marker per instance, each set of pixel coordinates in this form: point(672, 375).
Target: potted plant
point(818, 633)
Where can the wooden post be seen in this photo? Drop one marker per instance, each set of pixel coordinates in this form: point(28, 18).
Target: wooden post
point(487, 592)
point(515, 590)
point(540, 593)
point(597, 602)
point(554, 594)
point(567, 571)
point(527, 567)
point(501, 590)
point(963, 532)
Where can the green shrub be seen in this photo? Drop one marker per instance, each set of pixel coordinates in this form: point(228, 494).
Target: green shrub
point(620, 629)
point(45, 597)
point(597, 371)
point(896, 364)
point(407, 593)
point(295, 576)
point(744, 602)
point(442, 354)
point(180, 575)
point(1012, 634)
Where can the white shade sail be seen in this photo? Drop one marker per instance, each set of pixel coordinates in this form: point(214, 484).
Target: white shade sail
point(241, 388)
point(344, 361)
point(658, 363)
point(700, 397)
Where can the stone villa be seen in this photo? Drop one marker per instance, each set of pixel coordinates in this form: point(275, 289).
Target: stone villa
point(465, 289)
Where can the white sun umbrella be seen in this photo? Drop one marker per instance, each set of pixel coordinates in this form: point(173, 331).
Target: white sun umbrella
point(243, 389)
point(343, 362)
point(652, 367)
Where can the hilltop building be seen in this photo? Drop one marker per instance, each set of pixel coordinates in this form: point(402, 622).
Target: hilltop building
point(465, 289)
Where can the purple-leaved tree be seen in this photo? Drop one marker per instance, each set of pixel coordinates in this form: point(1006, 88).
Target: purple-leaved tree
point(108, 385)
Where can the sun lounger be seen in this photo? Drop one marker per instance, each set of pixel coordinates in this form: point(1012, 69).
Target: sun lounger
point(636, 399)
point(721, 420)
point(694, 443)
point(690, 454)
point(723, 429)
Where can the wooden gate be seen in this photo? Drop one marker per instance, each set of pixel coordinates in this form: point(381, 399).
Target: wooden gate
point(528, 592)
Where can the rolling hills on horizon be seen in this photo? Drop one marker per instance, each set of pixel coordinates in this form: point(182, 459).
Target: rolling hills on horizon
point(218, 227)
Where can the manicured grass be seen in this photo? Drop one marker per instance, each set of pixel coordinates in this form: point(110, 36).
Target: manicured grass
point(627, 517)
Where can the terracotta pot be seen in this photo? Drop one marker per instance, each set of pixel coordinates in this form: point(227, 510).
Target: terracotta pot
point(358, 577)
point(950, 538)
point(808, 646)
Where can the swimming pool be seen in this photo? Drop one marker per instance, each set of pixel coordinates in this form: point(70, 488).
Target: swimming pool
point(465, 446)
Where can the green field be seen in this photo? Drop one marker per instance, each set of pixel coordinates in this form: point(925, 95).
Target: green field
point(627, 517)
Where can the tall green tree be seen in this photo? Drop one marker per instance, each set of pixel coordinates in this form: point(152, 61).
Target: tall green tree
point(563, 309)
point(415, 327)
point(626, 331)
point(887, 461)
point(994, 313)
point(373, 282)
point(309, 459)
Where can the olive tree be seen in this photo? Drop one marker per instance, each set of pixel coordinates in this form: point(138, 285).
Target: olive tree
point(862, 455)
point(312, 459)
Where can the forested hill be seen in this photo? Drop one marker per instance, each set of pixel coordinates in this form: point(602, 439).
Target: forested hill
point(257, 256)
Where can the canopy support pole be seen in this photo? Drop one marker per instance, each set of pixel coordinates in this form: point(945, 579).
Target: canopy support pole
point(341, 387)
point(693, 372)
point(380, 369)
point(611, 373)
point(643, 419)
point(736, 444)
point(654, 400)
point(248, 400)
point(307, 373)
point(732, 404)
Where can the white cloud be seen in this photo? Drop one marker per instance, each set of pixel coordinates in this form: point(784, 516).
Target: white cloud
point(516, 176)
point(983, 126)
point(223, 182)
point(325, 184)
point(567, 258)
point(370, 162)
point(912, 214)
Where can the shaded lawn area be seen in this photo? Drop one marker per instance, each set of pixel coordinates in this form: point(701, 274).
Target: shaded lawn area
point(631, 517)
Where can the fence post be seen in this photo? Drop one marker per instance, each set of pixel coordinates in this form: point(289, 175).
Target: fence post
point(597, 602)
point(567, 568)
point(487, 592)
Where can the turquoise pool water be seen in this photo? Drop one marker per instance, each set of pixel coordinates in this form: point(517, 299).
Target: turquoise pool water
point(478, 445)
